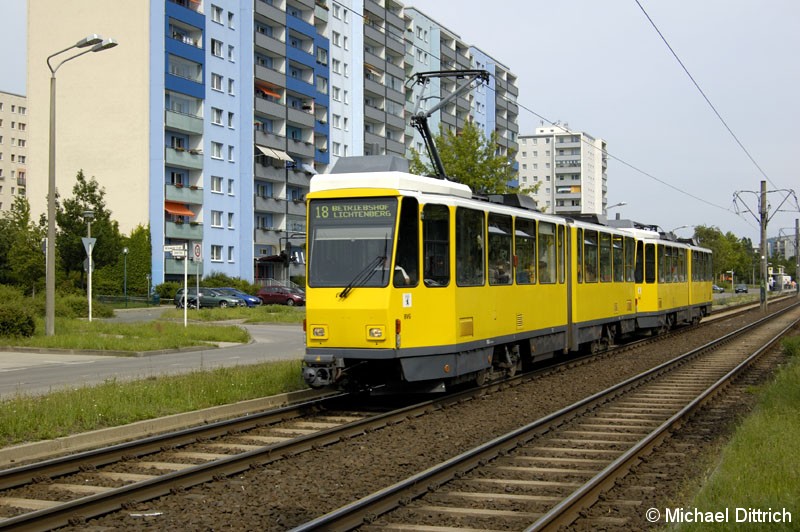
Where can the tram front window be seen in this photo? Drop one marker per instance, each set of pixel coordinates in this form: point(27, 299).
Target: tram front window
point(350, 241)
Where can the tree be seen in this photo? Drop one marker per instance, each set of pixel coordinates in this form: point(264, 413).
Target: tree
point(470, 158)
point(22, 260)
point(87, 195)
point(730, 252)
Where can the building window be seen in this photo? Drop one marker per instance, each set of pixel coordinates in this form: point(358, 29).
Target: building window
point(216, 184)
point(216, 218)
point(336, 66)
point(216, 253)
point(336, 147)
point(230, 53)
point(216, 82)
point(230, 220)
point(230, 187)
point(216, 48)
point(230, 120)
point(335, 38)
point(230, 20)
point(216, 150)
point(336, 94)
point(230, 254)
point(230, 153)
point(216, 116)
point(336, 121)
point(216, 13)
point(231, 86)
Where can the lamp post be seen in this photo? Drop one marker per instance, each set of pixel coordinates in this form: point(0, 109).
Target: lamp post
point(88, 215)
point(125, 275)
point(620, 204)
point(97, 44)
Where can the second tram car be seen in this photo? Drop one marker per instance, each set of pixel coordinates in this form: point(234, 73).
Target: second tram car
point(414, 283)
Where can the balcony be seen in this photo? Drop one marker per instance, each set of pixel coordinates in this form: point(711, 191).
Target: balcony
point(301, 118)
point(182, 194)
point(269, 75)
point(184, 231)
point(186, 123)
point(269, 108)
point(176, 266)
point(271, 12)
point(192, 159)
point(265, 204)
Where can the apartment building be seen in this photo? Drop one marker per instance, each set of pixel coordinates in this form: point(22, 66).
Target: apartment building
point(569, 167)
point(13, 148)
point(206, 122)
point(210, 117)
point(430, 46)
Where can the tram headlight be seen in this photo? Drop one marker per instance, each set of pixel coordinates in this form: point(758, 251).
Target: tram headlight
point(319, 332)
point(376, 332)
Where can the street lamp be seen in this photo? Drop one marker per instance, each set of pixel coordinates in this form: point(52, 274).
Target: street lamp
point(620, 204)
point(88, 215)
point(125, 275)
point(97, 44)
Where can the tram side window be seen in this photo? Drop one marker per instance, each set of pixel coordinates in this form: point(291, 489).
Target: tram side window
point(618, 257)
point(436, 242)
point(525, 251)
point(562, 249)
point(605, 258)
point(662, 264)
point(650, 263)
point(590, 256)
point(500, 242)
point(630, 259)
point(470, 268)
point(680, 258)
point(579, 254)
point(406, 264)
point(547, 253)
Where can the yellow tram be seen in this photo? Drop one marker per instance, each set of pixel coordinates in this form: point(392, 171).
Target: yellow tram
point(414, 283)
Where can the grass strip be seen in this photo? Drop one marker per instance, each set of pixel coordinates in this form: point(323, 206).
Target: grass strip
point(759, 469)
point(32, 418)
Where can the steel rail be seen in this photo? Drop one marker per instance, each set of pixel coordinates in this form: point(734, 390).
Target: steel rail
point(368, 508)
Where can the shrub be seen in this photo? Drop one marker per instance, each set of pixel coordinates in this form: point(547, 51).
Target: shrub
point(16, 320)
point(76, 306)
point(166, 291)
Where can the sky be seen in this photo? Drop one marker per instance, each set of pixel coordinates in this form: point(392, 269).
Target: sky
point(602, 68)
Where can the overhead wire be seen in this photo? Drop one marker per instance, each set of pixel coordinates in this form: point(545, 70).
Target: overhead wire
point(702, 93)
point(605, 152)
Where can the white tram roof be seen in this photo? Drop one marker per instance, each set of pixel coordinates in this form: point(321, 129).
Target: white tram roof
point(390, 180)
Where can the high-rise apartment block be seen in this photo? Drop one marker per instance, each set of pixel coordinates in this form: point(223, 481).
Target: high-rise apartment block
point(13, 148)
point(569, 168)
point(209, 119)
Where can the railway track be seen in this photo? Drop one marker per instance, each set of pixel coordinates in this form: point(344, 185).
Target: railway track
point(92, 483)
point(543, 475)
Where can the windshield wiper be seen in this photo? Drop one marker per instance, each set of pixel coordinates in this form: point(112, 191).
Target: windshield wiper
point(363, 276)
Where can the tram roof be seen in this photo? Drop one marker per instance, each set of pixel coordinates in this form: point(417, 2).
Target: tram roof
point(390, 180)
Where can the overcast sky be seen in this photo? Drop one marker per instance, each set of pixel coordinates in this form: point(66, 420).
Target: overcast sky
point(602, 68)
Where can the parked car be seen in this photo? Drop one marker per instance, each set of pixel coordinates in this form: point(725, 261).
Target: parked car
point(209, 297)
point(740, 289)
point(717, 289)
point(281, 295)
point(250, 301)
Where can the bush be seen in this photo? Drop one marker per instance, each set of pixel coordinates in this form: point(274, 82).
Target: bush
point(166, 291)
point(75, 306)
point(16, 320)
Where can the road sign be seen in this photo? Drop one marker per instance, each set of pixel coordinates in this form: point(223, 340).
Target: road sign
point(174, 248)
point(88, 244)
point(197, 251)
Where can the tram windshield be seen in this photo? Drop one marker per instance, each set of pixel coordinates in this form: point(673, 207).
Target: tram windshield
point(350, 241)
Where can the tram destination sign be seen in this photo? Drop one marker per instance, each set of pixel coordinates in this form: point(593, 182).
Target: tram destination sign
point(356, 211)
